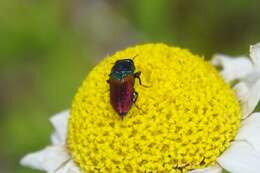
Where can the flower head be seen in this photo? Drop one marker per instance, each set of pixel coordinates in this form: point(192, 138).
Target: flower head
point(185, 121)
point(186, 118)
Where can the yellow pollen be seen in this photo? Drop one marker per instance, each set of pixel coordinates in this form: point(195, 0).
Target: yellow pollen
point(183, 121)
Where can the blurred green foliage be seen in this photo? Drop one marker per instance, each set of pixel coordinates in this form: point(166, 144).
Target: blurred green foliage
point(42, 62)
point(45, 50)
point(206, 27)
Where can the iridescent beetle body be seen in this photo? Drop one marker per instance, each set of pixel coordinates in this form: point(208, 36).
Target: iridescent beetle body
point(121, 81)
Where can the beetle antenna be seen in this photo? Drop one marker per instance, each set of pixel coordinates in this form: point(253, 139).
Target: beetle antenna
point(134, 57)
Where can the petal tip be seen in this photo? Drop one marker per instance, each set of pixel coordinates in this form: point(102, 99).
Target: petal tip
point(255, 53)
point(32, 161)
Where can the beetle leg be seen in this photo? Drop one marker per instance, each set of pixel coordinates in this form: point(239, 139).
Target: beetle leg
point(137, 75)
point(108, 81)
point(135, 96)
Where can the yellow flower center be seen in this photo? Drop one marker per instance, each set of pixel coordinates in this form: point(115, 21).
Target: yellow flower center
point(184, 120)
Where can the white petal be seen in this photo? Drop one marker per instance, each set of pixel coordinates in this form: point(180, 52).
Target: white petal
point(242, 92)
point(70, 167)
point(241, 157)
point(255, 54)
point(55, 139)
point(59, 122)
point(49, 159)
point(250, 131)
point(249, 95)
point(233, 68)
point(211, 169)
point(251, 78)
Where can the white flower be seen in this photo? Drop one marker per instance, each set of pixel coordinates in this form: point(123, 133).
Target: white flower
point(54, 158)
point(243, 156)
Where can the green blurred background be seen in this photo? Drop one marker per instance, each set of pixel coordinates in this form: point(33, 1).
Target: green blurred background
point(48, 46)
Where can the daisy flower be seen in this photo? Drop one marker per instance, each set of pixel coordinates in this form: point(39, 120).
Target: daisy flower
point(190, 119)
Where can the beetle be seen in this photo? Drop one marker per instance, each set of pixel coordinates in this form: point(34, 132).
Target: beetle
point(121, 81)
